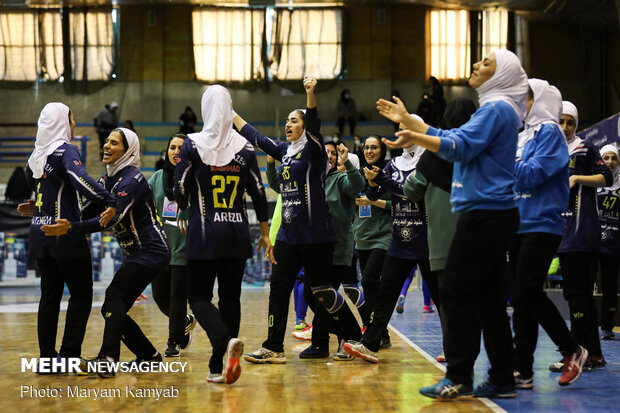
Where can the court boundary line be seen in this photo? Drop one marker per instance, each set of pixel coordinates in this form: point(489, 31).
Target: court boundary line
point(487, 402)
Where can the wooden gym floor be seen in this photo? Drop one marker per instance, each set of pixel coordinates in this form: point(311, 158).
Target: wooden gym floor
point(320, 385)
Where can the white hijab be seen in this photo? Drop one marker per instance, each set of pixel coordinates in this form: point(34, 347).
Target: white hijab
point(53, 129)
point(296, 147)
point(411, 155)
point(355, 160)
point(217, 142)
point(508, 83)
point(569, 109)
point(616, 173)
point(131, 155)
point(546, 109)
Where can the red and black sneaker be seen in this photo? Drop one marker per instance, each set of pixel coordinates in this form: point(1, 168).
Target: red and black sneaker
point(573, 366)
point(595, 362)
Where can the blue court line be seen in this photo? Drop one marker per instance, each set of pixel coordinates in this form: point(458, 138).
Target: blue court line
point(594, 391)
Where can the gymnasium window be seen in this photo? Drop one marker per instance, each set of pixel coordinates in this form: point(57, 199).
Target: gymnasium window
point(459, 38)
point(449, 46)
point(33, 48)
point(32, 45)
point(92, 49)
point(306, 42)
point(494, 30)
point(521, 41)
point(228, 44)
point(249, 44)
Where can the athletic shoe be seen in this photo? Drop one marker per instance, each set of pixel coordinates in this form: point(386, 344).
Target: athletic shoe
point(215, 378)
point(141, 299)
point(428, 309)
point(557, 367)
point(305, 334)
point(523, 382)
point(400, 304)
point(573, 366)
point(446, 389)
point(173, 349)
point(385, 343)
point(232, 361)
point(357, 349)
point(441, 358)
point(595, 362)
point(314, 352)
point(301, 325)
point(58, 359)
point(190, 323)
point(491, 391)
point(104, 368)
point(263, 355)
point(607, 335)
point(152, 359)
point(342, 355)
point(83, 368)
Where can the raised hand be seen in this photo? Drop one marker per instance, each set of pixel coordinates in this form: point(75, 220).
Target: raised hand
point(371, 174)
point(343, 153)
point(405, 139)
point(395, 112)
point(309, 84)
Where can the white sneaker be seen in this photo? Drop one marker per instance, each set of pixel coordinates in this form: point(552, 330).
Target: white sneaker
point(215, 378)
point(357, 349)
point(305, 334)
point(342, 355)
point(232, 361)
point(263, 355)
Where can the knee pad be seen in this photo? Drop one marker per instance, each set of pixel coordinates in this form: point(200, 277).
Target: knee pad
point(355, 294)
point(328, 297)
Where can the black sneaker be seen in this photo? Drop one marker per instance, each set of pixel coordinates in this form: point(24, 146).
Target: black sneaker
point(557, 367)
point(102, 367)
point(607, 335)
point(385, 343)
point(153, 359)
point(522, 381)
point(314, 352)
point(190, 323)
point(173, 349)
point(595, 362)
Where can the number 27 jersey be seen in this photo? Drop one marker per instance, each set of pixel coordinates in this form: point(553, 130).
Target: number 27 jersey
point(218, 223)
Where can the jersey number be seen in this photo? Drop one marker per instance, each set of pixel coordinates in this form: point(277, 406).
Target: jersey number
point(39, 202)
point(219, 183)
point(609, 202)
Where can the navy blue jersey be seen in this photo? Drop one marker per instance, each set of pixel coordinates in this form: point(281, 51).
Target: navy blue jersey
point(409, 232)
point(305, 215)
point(136, 225)
point(58, 195)
point(218, 221)
point(582, 232)
point(609, 218)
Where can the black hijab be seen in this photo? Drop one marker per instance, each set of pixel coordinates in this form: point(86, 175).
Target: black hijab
point(436, 170)
point(169, 169)
point(381, 162)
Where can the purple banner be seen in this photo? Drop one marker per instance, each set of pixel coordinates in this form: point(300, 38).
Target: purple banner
point(605, 132)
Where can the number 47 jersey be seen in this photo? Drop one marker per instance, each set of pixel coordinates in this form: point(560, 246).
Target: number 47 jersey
point(218, 221)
